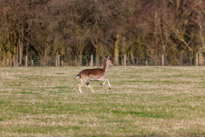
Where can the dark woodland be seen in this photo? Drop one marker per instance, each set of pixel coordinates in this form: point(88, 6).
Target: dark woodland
point(73, 30)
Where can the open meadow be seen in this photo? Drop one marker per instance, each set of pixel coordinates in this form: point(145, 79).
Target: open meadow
point(143, 101)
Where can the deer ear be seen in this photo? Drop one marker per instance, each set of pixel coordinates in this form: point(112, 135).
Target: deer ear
point(108, 57)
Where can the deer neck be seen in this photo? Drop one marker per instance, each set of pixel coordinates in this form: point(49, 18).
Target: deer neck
point(105, 68)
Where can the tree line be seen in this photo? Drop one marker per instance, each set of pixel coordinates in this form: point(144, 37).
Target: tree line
point(143, 30)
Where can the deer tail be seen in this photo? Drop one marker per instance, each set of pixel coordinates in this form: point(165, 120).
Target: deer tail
point(78, 76)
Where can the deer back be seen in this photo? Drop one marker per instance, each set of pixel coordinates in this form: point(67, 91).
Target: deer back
point(92, 74)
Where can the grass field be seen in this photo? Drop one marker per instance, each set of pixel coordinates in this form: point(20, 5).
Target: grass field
point(143, 101)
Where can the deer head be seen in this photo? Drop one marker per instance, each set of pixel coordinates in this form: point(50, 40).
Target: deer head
point(108, 61)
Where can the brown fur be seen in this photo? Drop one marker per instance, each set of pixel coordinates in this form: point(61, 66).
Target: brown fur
point(94, 74)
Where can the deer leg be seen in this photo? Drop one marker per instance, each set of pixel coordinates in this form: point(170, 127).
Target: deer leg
point(80, 85)
point(106, 80)
point(90, 87)
point(109, 84)
point(103, 83)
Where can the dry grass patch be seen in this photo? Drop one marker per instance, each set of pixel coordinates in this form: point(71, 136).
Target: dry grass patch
point(144, 101)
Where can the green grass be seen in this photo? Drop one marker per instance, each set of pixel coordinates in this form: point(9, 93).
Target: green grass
point(143, 101)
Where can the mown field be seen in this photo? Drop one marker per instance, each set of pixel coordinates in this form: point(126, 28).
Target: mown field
point(143, 101)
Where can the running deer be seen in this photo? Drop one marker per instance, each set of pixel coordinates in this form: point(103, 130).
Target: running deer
point(94, 75)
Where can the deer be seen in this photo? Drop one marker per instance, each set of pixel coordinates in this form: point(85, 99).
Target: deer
point(96, 74)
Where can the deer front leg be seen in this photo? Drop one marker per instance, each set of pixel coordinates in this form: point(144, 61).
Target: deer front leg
point(103, 83)
point(109, 84)
point(106, 80)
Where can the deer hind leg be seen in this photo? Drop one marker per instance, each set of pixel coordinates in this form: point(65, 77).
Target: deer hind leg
point(80, 85)
point(90, 87)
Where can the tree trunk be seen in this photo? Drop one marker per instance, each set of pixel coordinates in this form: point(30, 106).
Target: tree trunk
point(80, 57)
point(20, 46)
point(45, 57)
point(116, 52)
point(97, 60)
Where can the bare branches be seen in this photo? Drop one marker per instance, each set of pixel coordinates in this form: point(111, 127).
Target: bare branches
point(147, 29)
